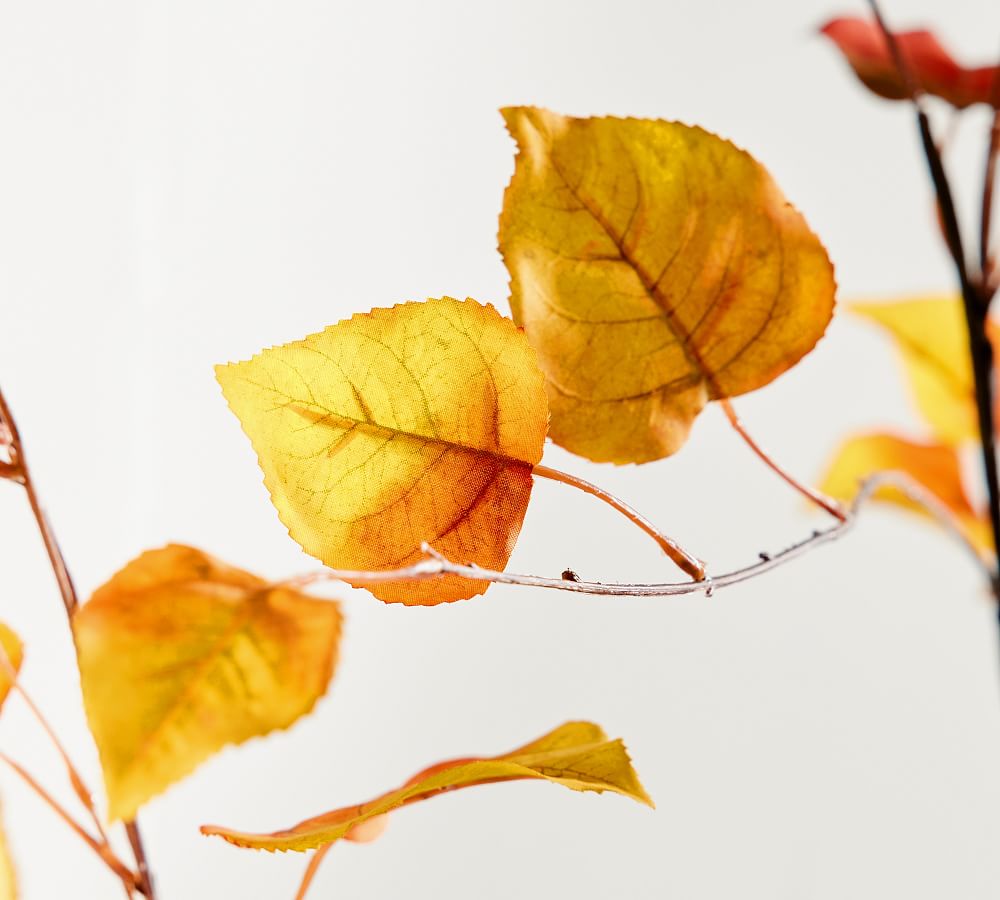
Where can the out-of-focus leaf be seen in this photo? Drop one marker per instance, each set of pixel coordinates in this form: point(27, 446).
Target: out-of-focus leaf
point(654, 267)
point(932, 67)
point(936, 467)
point(932, 337)
point(577, 755)
point(14, 650)
point(181, 654)
point(399, 426)
point(8, 874)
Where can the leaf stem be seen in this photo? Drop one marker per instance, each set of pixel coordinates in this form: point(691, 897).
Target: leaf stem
point(145, 881)
point(689, 564)
point(21, 474)
point(103, 850)
point(986, 261)
point(820, 499)
point(311, 870)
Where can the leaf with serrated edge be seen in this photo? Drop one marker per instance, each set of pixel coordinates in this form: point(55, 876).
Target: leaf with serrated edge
point(654, 267)
point(933, 340)
point(577, 755)
point(181, 654)
point(395, 427)
point(935, 467)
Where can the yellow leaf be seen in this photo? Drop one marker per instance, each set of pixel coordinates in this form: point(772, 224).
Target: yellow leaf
point(399, 426)
point(931, 335)
point(654, 267)
point(8, 875)
point(14, 650)
point(181, 654)
point(935, 467)
point(577, 755)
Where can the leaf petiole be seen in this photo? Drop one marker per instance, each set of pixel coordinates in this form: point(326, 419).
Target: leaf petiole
point(311, 870)
point(691, 565)
point(820, 499)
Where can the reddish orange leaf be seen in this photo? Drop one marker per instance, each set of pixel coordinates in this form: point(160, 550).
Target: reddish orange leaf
point(935, 71)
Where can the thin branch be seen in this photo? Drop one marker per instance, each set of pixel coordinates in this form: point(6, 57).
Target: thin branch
point(67, 590)
point(103, 851)
point(975, 297)
point(436, 565)
point(145, 880)
point(311, 870)
point(986, 261)
point(17, 459)
point(75, 779)
point(811, 494)
point(689, 564)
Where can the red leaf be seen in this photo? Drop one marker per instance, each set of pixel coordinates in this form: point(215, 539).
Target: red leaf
point(866, 49)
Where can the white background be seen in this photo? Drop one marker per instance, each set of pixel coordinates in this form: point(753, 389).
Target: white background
point(183, 183)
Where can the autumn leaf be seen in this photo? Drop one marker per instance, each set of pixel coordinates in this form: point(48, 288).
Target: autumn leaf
point(395, 427)
point(654, 267)
point(8, 874)
point(932, 337)
point(577, 755)
point(932, 67)
point(14, 650)
point(181, 654)
point(936, 467)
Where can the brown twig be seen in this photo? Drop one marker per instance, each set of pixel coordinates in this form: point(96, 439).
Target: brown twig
point(689, 564)
point(436, 565)
point(67, 590)
point(103, 850)
point(23, 477)
point(986, 261)
point(975, 299)
point(145, 883)
point(311, 870)
point(817, 497)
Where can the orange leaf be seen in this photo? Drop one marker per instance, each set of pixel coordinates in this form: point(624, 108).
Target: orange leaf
point(577, 755)
point(399, 426)
point(654, 267)
point(935, 467)
point(181, 654)
point(932, 67)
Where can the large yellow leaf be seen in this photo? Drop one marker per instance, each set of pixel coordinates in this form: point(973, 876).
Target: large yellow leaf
point(577, 755)
point(399, 426)
point(936, 467)
point(14, 650)
point(654, 267)
point(181, 654)
point(933, 339)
